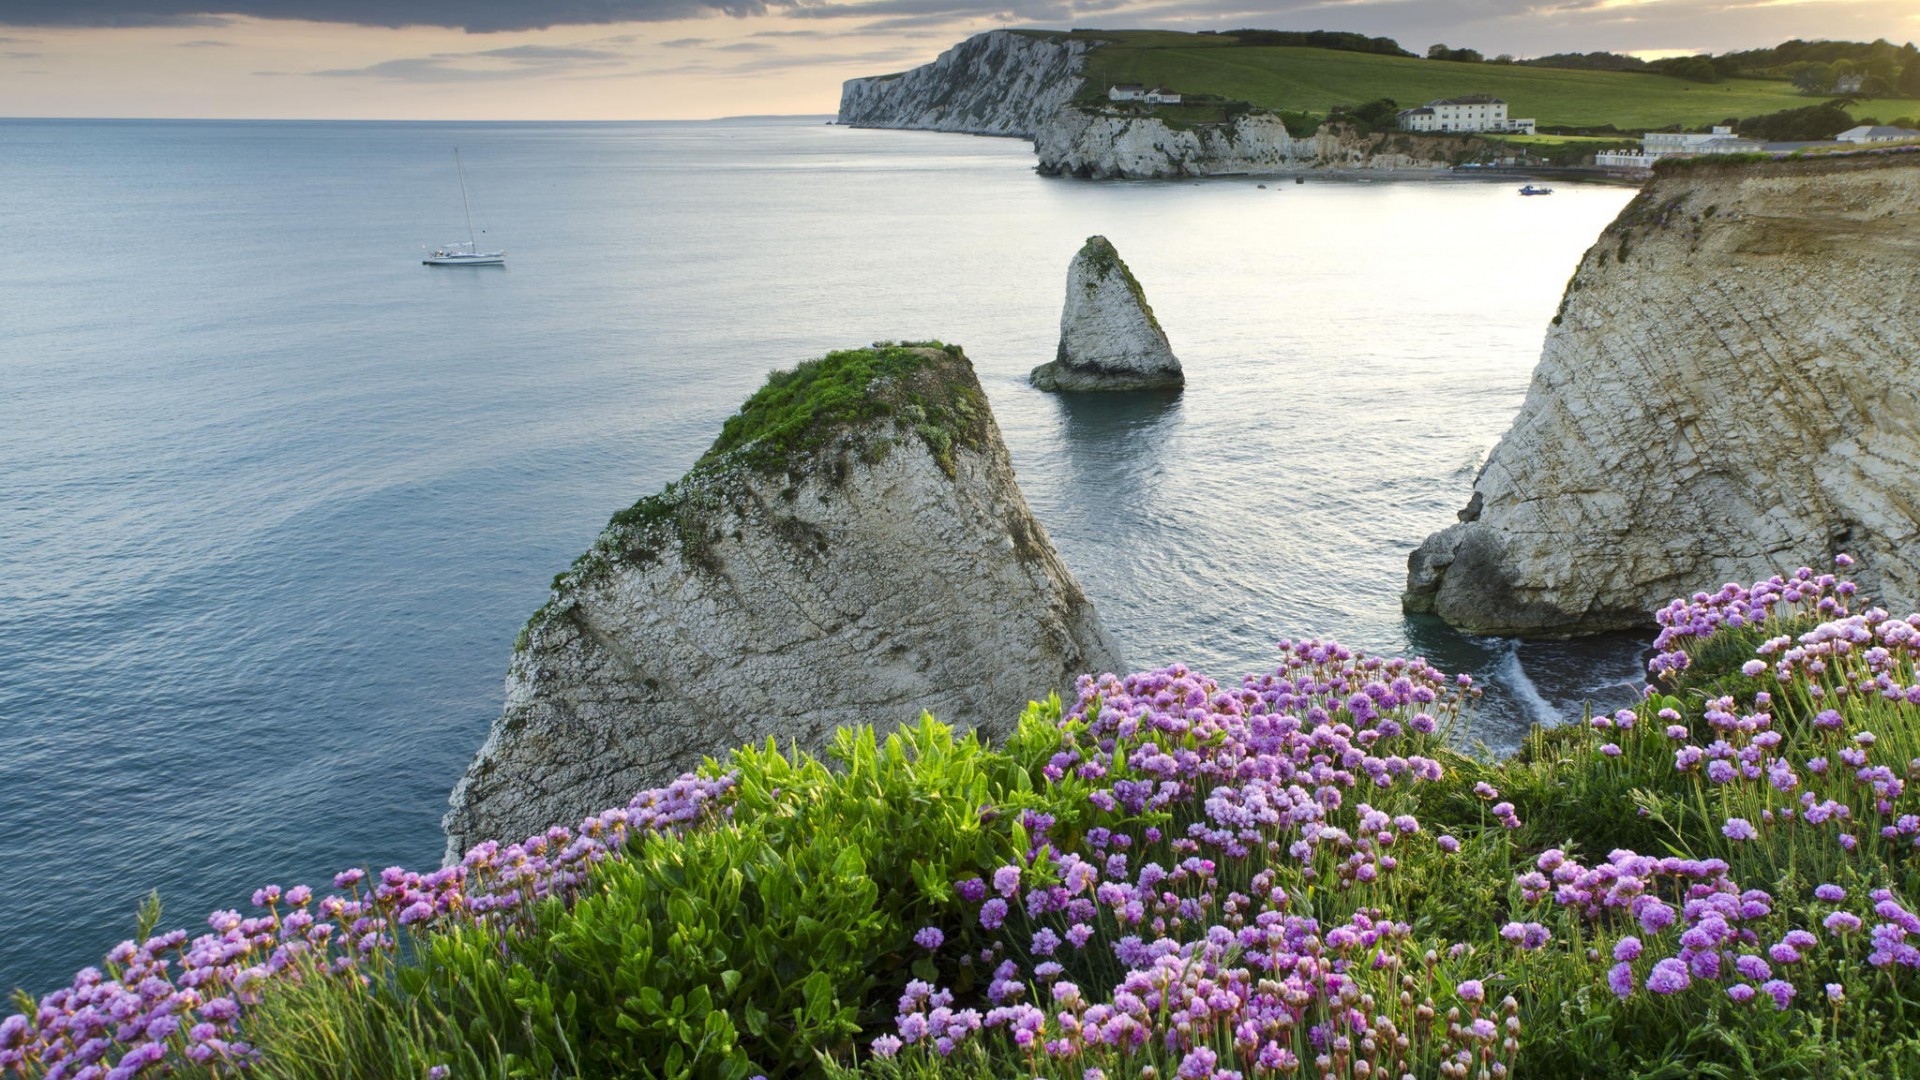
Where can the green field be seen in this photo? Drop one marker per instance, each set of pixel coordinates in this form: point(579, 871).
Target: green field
point(1315, 80)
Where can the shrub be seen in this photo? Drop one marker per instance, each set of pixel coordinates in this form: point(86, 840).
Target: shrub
point(1201, 879)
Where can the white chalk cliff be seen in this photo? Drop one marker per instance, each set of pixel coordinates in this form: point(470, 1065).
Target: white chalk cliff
point(853, 550)
point(1004, 82)
point(1731, 389)
point(1109, 338)
point(1100, 143)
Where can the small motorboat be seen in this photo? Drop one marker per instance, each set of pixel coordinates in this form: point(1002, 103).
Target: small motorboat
point(1532, 190)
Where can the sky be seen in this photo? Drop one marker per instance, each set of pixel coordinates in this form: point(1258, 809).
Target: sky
point(696, 59)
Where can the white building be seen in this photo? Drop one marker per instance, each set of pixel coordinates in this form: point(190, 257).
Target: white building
point(1159, 95)
point(1866, 133)
point(1658, 144)
point(1475, 112)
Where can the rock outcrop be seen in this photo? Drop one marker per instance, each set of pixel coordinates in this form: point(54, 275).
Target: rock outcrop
point(853, 549)
point(1731, 388)
point(1004, 82)
point(1100, 143)
point(1109, 339)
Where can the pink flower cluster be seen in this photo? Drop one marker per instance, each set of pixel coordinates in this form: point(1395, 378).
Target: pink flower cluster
point(171, 997)
point(1687, 624)
point(1242, 839)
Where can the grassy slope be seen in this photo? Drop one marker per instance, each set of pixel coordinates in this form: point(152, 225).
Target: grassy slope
point(1313, 80)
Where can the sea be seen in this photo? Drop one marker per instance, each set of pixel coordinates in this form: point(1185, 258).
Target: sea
point(275, 497)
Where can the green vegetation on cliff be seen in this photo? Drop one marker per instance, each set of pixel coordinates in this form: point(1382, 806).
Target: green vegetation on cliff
point(796, 425)
point(1171, 873)
point(1319, 80)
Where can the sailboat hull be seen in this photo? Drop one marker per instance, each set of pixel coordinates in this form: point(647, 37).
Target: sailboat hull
point(492, 258)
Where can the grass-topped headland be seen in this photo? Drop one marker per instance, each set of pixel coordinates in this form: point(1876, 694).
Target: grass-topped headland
point(1295, 873)
point(1302, 79)
point(818, 420)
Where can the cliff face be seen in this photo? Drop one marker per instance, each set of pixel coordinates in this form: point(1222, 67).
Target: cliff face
point(1731, 388)
point(1109, 339)
point(1099, 144)
point(853, 550)
point(998, 83)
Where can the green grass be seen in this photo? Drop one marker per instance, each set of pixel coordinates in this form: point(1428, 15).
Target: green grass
point(1315, 80)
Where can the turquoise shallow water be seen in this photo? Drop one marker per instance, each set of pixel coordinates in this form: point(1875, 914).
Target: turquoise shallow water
point(274, 498)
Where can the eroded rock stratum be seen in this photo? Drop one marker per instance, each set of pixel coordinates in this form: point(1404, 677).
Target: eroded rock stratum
point(1731, 387)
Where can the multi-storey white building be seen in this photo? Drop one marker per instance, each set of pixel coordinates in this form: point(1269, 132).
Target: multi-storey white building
point(1475, 112)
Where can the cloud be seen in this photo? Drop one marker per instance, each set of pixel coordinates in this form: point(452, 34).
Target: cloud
point(478, 16)
point(1519, 26)
point(486, 65)
point(686, 43)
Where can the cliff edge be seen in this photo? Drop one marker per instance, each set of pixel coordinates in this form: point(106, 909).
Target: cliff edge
point(1004, 82)
point(1732, 384)
point(853, 549)
point(1105, 143)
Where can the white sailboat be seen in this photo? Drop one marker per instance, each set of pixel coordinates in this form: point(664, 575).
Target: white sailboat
point(468, 253)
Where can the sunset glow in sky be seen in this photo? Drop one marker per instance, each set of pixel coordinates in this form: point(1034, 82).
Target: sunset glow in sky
point(689, 59)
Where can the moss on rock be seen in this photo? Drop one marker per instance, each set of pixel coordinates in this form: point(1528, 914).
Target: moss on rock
point(818, 419)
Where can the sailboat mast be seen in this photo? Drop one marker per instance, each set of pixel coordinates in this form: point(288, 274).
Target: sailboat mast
point(464, 204)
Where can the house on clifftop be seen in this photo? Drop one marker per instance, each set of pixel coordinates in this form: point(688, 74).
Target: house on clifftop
point(1475, 112)
point(1159, 95)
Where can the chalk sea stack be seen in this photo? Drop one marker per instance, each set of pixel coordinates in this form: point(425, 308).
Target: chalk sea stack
point(853, 549)
point(1109, 339)
point(1731, 388)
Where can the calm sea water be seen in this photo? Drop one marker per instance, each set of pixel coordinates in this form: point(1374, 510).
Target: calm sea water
point(274, 498)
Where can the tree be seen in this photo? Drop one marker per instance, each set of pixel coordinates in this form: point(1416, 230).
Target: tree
point(1810, 76)
point(1698, 69)
point(1909, 85)
point(1809, 124)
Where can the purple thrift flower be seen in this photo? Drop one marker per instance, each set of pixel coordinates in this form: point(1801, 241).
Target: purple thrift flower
point(1740, 992)
point(1669, 976)
point(1841, 922)
point(929, 938)
point(1832, 894)
point(993, 913)
point(1471, 991)
point(1627, 948)
point(1739, 829)
point(1620, 979)
point(1781, 992)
